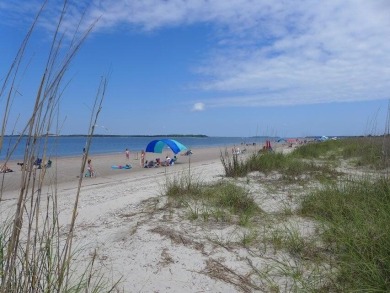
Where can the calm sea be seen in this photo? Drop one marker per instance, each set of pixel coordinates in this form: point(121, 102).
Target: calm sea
point(73, 146)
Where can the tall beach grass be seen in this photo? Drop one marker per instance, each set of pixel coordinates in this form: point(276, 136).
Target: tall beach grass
point(35, 256)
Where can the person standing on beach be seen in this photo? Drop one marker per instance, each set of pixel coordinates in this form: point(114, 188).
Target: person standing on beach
point(127, 152)
point(91, 172)
point(142, 158)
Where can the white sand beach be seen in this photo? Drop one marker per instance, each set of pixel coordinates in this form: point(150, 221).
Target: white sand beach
point(149, 248)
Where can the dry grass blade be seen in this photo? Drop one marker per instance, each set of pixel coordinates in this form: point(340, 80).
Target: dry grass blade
point(68, 246)
point(217, 270)
point(33, 255)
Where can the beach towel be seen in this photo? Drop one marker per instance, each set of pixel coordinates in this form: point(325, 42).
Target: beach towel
point(126, 167)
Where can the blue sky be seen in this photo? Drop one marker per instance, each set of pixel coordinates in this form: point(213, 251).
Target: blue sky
point(220, 68)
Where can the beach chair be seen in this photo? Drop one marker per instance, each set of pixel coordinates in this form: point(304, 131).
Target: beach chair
point(38, 163)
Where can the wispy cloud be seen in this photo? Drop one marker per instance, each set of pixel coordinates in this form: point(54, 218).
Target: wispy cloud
point(331, 53)
point(272, 53)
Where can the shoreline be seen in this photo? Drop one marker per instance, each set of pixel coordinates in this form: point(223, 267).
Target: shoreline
point(70, 147)
point(65, 171)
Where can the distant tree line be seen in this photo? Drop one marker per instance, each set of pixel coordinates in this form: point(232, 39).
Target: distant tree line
point(121, 135)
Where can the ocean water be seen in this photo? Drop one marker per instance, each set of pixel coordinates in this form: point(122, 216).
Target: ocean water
point(64, 146)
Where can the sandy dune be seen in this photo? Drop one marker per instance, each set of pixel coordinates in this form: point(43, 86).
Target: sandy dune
point(138, 240)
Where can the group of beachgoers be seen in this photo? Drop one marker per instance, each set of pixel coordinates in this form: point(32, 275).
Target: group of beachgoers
point(90, 171)
point(38, 164)
point(237, 151)
point(157, 163)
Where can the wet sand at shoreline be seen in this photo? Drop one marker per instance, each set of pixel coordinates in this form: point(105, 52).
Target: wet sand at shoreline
point(65, 171)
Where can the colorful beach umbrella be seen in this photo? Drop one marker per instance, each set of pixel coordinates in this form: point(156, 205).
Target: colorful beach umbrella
point(157, 146)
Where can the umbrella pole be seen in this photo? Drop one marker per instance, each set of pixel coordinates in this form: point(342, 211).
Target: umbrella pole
point(189, 168)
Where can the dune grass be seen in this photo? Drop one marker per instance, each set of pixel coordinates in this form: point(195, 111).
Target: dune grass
point(221, 201)
point(352, 213)
point(233, 165)
point(293, 168)
point(368, 151)
point(36, 254)
point(313, 160)
point(371, 152)
point(355, 218)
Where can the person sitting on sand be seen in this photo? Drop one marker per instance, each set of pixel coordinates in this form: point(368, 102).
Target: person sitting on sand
point(236, 150)
point(167, 160)
point(173, 160)
point(48, 164)
point(5, 169)
point(158, 162)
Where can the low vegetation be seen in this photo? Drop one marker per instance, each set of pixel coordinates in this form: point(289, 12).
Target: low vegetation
point(222, 201)
point(291, 166)
point(362, 151)
point(233, 165)
point(350, 248)
point(355, 217)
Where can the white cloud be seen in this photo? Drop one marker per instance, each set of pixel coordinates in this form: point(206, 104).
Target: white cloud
point(336, 52)
point(273, 52)
point(198, 107)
